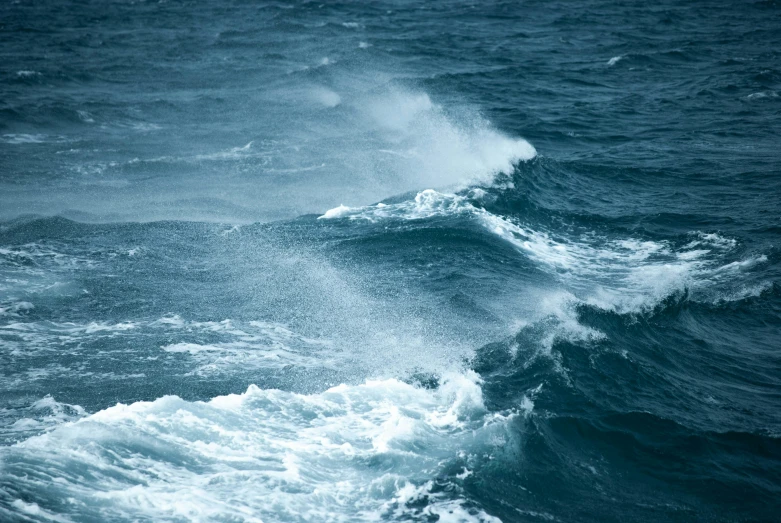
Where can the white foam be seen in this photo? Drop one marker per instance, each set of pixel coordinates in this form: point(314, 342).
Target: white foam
point(192, 348)
point(16, 308)
point(363, 452)
point(44, 414)
point(711, 240)
point(230, 154)
point(426, 204)
point(762, 94)
point(743, 291)
point(626, 275)
point(145, 126)
point(336, 212)
point(33, 510)
point(61, 330)
point(43, 254)
point(25, 138)
point(94, 327)
point(614, 60)
point(326, 97)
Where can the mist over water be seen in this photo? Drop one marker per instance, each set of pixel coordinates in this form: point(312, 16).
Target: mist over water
point(390, 262)
point(165, 136)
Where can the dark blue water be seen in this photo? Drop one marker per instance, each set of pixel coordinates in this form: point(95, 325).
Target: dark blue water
point(390, 262)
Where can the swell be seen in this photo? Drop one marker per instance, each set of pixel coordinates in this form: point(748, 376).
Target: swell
point(652, 467)
point(661, 410)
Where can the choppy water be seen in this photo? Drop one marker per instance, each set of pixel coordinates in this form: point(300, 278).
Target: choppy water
point(397, 262)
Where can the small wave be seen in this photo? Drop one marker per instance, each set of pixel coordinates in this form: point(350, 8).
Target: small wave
point(744, 292)
point(16, 308)
point(36, 256)
point(426, 204)
point(230, 154)
point(25, 138)
point(86, 117)
point(558, 320)
point(144, 126)
point(762, 94)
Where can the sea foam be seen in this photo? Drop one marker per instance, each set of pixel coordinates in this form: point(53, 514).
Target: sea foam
point(352, 453)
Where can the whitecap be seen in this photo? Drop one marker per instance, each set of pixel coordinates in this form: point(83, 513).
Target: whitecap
point(363, 452)
point(25, 138)
point(336, 212)
point(325, 97)
point(624, 275)
point(762, 94)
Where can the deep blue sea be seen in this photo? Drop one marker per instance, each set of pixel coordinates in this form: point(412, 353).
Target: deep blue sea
point(455, 261)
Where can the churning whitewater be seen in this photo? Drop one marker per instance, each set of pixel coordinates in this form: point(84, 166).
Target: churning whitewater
point(390, 262)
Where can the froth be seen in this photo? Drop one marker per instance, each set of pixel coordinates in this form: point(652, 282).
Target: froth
point(362, 452)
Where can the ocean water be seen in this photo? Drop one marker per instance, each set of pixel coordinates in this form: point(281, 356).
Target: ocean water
point(390, 261)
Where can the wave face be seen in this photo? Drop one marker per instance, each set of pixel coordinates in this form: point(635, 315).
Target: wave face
point(389, 262)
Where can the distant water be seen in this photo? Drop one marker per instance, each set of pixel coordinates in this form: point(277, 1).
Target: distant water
point(390, 261)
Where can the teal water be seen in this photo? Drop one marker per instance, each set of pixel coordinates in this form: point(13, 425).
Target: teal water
point(395, 262)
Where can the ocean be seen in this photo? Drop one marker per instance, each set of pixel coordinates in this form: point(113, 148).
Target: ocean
point(390, 261)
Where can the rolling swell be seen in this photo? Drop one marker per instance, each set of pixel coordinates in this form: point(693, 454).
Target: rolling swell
point(656, 408)
point(642, 387)
point(638, 382)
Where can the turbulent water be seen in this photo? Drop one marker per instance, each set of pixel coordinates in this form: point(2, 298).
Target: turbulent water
point(457, 262)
